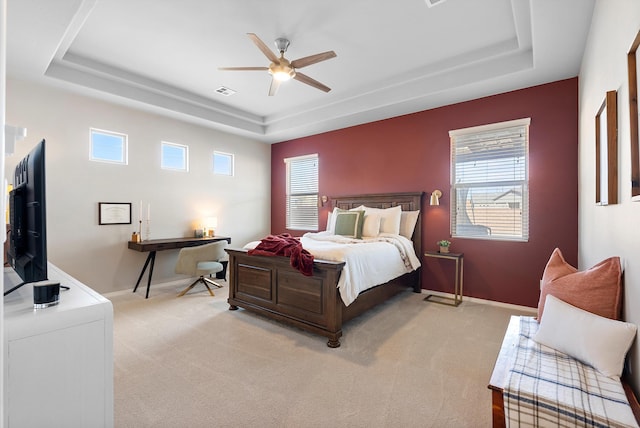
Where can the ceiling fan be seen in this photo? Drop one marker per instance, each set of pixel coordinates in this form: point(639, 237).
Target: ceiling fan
point(281, 69)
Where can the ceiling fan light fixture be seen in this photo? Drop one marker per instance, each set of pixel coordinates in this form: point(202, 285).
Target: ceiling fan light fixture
point(283, 76)
point(281, 69)
point(282, 73)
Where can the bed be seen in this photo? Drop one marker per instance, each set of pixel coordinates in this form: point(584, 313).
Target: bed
point(269, 286)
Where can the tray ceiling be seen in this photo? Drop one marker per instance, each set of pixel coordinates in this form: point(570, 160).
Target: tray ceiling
point(393, 58)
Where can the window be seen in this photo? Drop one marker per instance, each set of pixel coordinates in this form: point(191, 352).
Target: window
point(302, 192)
point(222, 163)
point(175, 157)
point(107, 146)
point(490, 181)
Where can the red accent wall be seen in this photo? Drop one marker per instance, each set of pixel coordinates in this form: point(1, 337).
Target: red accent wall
point(411, 153)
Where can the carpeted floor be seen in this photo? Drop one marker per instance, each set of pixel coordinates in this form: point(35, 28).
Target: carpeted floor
point(190, 362)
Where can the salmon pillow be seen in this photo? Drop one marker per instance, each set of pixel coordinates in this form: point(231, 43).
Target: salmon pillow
point(597, 290)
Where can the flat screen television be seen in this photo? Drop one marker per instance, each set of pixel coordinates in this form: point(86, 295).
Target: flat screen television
point(27, 253)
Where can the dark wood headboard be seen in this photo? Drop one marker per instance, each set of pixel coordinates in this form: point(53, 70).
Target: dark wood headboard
point(410, 201)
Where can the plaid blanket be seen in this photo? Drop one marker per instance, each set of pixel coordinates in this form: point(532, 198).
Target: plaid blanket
point(549, 388)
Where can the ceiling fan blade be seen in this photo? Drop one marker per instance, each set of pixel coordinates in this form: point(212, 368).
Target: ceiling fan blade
point(273, 89)
point(264, 48)
point(312, 59)
point(311, 82)
point(243, 68)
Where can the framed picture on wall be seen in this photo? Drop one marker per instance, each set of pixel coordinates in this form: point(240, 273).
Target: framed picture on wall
point(114, 213)
point(634, 122)
point(607, 151)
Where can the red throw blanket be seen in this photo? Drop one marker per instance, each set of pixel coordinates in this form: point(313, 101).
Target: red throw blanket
point(286, 245)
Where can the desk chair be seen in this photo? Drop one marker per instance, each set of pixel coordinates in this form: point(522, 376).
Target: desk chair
point(201, 261)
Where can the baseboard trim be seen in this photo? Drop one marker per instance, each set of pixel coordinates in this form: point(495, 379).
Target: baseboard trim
point(182, 282)
point(483, 301)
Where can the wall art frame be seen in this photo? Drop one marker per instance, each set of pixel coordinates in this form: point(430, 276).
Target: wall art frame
point(634, 122)
point(114, 213)
point(607, 150)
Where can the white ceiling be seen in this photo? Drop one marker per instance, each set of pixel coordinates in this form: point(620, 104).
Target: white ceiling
point(393, 57)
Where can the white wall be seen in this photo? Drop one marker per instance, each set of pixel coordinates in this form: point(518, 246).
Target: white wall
point(98, 255)
point(606, 231)
point(3, 69)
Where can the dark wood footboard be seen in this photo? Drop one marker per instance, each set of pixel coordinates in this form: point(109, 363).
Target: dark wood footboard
point(271, 287)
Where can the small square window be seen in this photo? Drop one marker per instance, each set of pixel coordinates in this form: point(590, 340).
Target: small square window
point(107, 146)
point(175, 157)
point(222, 163)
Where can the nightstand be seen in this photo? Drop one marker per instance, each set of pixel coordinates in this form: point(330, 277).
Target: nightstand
point(457, 285)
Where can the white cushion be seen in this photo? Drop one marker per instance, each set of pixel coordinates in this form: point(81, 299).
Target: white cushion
point(389, 218)
point(408, 220)
point(597, 341)
point(331, 222)
point(206, 268)
point(371, 226)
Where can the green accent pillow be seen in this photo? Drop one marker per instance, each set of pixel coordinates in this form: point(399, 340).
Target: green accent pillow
point(349, 223)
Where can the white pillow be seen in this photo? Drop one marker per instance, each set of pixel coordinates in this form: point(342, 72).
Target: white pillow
point(331, 222)
point(408, 220)
point(389, 218)
point(371, 226)
point(597, 341)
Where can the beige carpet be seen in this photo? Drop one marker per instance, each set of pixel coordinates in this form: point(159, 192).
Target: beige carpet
point(190, 362)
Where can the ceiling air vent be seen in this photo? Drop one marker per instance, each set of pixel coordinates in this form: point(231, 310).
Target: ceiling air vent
point(223, 90)
point(432, 3)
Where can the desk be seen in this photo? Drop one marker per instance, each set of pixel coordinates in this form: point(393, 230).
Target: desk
point(457, 285)
point(154, 245)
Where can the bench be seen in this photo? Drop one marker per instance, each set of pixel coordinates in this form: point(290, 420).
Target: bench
point(502, 371)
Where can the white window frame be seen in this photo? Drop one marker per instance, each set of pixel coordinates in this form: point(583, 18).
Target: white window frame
point(230, 156)
point(302, 197)
point(185, 160)
point(123, 152)
point(506, 220)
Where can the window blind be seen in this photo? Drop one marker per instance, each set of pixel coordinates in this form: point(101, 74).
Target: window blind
point(302, 192)
point(490, 181)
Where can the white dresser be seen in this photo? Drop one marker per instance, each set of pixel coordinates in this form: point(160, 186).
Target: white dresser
point(59, 360)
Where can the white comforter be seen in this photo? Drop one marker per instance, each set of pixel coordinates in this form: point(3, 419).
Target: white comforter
point(368, 262)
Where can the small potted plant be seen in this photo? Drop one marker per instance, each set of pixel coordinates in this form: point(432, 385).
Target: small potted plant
point(444, 245)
